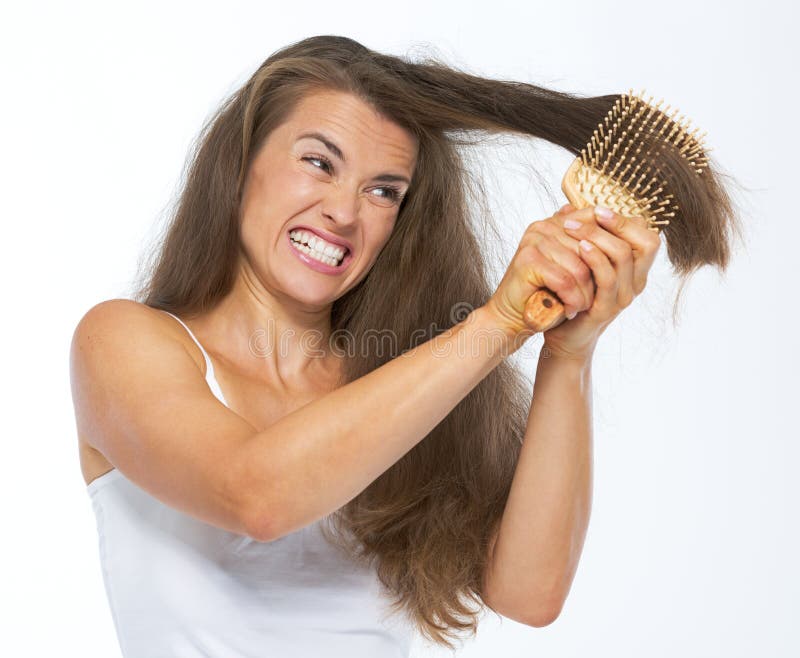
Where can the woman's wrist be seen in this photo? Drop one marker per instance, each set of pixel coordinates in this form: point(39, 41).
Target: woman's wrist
point(501, 331)
point(581, 357)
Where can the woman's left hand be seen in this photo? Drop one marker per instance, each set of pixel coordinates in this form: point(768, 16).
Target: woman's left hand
point(621, 251)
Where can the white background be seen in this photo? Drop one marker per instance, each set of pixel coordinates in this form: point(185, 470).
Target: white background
point(694, 532)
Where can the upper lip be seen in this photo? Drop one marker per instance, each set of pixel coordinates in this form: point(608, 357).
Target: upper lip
point(328, 237)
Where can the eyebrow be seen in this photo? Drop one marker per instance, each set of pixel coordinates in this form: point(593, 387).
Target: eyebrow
point(383, 178)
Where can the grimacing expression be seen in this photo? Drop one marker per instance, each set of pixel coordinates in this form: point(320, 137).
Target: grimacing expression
point(333, 175)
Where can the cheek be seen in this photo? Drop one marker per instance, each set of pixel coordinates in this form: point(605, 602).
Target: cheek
point(388, 226)
point(276, 199)
point(377, 239)
point(289, 181)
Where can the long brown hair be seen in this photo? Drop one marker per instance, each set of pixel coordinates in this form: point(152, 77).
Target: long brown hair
point(425, 523)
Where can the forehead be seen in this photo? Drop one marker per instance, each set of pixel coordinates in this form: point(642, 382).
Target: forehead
point(356, 127)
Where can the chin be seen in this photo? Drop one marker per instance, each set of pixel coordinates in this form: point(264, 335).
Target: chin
point(308, 294)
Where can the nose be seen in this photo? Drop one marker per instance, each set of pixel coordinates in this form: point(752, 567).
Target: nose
point(341, 205)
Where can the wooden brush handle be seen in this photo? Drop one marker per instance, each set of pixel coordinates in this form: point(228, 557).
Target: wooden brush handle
point(544, 309)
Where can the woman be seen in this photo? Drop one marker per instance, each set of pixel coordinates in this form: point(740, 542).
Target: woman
point(267, 474)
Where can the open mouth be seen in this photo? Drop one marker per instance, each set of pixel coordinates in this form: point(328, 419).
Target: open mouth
point(318, 249)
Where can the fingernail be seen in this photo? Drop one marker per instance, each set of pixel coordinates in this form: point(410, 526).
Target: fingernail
point(571, 315)
point(602, 212)
point(571, 223)
point(585, 245)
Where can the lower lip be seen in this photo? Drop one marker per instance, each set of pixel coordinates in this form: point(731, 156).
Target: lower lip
point(319, 266)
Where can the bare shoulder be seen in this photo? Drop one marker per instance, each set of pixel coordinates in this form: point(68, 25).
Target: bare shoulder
point(117, 315)
point(119, 312)
point(121, 321)
point(133, 321)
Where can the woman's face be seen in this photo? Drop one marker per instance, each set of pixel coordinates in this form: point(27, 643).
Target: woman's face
point(342, 196)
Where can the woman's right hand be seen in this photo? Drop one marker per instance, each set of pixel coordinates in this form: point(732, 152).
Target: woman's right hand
point(547, 257)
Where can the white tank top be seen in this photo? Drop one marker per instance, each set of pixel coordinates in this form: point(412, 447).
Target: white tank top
point(181, 588)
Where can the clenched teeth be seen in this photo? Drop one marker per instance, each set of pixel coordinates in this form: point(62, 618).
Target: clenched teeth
point(318, 248)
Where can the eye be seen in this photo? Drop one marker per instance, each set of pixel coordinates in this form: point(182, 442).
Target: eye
point(393, 194)
point(318, 158)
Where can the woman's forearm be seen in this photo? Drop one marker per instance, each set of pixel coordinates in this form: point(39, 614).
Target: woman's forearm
point(546, 517)
point(319, 457)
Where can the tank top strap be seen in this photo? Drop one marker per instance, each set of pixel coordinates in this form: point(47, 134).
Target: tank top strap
point(210, 376)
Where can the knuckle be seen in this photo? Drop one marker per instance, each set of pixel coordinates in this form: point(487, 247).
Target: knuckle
point(537, 260)
point(538, 225)
point(623, 254)
point(583, 274)
point(530, 249)
point(563, 280)
point(549, 243)
point(606, 280)
point(546, 228)
point(573, 297)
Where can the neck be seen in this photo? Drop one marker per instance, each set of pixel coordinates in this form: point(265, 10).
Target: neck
point(270, 336)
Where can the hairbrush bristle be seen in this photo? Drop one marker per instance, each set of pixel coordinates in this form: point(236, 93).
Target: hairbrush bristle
point(620, 162)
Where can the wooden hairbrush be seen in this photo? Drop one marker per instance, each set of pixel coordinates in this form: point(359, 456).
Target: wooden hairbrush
point(620, 168)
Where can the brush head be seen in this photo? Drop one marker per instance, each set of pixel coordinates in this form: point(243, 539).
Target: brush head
point(626, 164)
point(636, 163)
